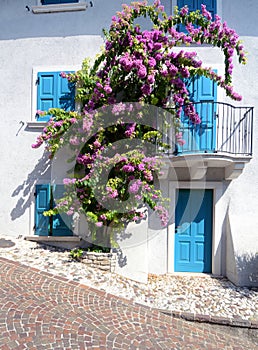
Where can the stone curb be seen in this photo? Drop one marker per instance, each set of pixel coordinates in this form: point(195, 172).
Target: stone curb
point(188, 316)
point(224, 321)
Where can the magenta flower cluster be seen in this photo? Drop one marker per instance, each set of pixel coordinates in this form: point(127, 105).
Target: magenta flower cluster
point(136, 66)
point(145, 66)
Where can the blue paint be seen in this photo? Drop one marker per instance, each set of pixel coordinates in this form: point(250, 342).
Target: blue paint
point(193, 236)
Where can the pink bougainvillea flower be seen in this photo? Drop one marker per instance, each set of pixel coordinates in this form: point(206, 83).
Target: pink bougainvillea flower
point(99, 224)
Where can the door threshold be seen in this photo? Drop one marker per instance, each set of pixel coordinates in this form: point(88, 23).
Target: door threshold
point(195, 274)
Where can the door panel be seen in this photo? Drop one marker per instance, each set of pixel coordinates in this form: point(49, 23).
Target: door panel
point(193, 236)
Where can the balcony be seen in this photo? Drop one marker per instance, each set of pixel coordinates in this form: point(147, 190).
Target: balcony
point(218, 147)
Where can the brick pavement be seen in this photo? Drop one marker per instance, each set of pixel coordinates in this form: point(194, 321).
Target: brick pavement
point(41, 311)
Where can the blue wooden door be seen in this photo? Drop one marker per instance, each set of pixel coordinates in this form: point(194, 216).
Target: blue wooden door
point(193, 234)
point(200, 137)
point(54, 225)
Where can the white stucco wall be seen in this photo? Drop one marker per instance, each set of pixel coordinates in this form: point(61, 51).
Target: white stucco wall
point(243, 192)
point(48, 41)
point(62, 40)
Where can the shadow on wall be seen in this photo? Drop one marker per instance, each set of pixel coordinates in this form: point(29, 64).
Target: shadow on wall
point(230, 265)
point(247, 266)
point(24, 192)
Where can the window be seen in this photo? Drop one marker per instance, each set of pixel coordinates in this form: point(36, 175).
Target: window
point(50, 2)
point(53, 91)
point(51, 6)
point(53, 225)
point(193, 5)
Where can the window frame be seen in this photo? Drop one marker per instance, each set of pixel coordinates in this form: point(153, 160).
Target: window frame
point(81, 5)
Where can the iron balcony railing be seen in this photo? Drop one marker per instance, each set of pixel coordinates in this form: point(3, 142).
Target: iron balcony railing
point(223, 129)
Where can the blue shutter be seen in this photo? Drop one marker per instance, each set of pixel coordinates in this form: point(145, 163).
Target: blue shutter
point(46, 94)
point(42, 204)
point(211, 6)
point(206, 94)
point(65, 93)
point(201, 137)
point(54, 92)
point(61, 227)
point(192, 6)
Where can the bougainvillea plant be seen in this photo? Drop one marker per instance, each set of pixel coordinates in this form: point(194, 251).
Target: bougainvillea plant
point(136, 67)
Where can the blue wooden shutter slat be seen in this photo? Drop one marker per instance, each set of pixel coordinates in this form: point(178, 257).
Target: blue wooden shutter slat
point(46, 93)
point(62, 225)
point(42, 203)
point(66, 94)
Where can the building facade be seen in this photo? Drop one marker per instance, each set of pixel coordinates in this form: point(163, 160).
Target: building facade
point(211, 181)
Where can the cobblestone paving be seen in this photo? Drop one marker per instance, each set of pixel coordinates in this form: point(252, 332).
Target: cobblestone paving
point(42, 311)
point(184, 293)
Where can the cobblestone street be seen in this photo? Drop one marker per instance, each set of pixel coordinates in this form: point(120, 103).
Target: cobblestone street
point(42, 311)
